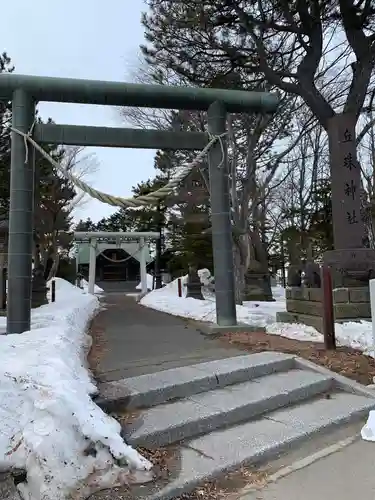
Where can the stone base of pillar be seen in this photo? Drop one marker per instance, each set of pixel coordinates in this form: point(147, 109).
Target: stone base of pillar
point(304, 305)
point(351, 268)
point(214, 330)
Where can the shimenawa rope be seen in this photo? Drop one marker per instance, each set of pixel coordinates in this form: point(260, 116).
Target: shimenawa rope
point(118, 201)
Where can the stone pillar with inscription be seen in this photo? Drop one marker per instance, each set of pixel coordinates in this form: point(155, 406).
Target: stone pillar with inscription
point(351, 261)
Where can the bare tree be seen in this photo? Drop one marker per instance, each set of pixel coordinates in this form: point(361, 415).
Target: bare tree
point(366, 151)
point(307, 165)
point(82, 165)
point(258, 146)
point(159, 119)
point(56, 201)
point(258, 163)
point(323, 52)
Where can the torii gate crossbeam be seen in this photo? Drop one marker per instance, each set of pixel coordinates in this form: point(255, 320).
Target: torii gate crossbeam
point(24, 91)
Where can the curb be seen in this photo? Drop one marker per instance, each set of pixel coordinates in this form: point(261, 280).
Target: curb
point(213, 330)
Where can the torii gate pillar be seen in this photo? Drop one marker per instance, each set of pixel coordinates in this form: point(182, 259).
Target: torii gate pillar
point(92, 266)
point(25, 90)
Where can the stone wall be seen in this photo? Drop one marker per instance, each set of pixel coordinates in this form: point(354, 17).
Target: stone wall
point(304, 305)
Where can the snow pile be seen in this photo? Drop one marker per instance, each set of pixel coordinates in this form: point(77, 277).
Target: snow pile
point(368, 430)
point(354, 334)
point(49, 425)
point(85, 287)
point(150, 282)
point(204, 276)
point(357, 335)
point(167, 300)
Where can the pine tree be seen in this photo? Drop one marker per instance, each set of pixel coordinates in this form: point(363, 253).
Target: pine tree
point(52, 213)
point(85, 225)
point(189, 225)
point(321, 228)
point(5, 121)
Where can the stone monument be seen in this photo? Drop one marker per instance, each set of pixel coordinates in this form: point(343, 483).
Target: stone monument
point(351, 262)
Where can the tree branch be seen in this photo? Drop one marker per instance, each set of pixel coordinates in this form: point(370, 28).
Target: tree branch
point(364, 131)
point(306, 69)
point(362, 48)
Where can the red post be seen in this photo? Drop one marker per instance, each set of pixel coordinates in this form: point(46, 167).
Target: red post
point(327, 305)
point(179, 287)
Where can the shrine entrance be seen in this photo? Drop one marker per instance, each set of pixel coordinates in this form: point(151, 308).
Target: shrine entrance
point(117, 265)
point(24, 91)
point(104, 248)
point(115, 261)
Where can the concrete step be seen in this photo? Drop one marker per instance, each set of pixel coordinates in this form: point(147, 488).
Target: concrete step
point(201, 413)
point(157, 388)
point(257, 441)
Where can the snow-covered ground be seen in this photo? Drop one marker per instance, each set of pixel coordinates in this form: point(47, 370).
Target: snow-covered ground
point(150, 283)
point(85, 287)
point(49, 426)
point(204, 275)
point(357, 335)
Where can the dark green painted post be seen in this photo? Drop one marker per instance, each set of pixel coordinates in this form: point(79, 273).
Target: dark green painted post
point(157, 268)
point(20, 217)
point(45, 88)
point(20, 88)
point(220, 218)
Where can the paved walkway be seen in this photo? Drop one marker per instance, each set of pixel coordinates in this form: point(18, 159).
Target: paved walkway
point(131, 340)
point(118, 286)
point(345, 475)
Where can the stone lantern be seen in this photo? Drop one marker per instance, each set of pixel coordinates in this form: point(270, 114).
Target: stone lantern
point(38, 287)
point(194, 285)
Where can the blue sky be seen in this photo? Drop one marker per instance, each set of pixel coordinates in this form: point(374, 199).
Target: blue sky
point(92, 39)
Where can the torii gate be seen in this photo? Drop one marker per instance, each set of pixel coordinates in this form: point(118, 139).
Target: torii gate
point(25, 91)
point(93, 236)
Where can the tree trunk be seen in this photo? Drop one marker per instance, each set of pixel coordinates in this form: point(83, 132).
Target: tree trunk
point(36, 255)
point(241, 261)
point(239, 275)
point(371, 220)
point(54, 255)
point(54, 267)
